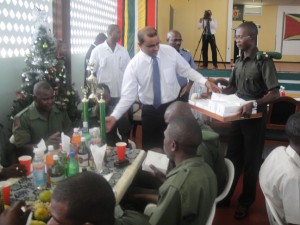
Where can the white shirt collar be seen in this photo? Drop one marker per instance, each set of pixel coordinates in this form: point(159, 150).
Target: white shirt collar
point(294, 156)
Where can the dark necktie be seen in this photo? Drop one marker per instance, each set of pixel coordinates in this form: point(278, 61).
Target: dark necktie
point(156, 83)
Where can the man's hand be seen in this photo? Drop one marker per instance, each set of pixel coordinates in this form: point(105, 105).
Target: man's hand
point(54, 139)
point(158, 174)
point(247, 110)
point(110, 121)
point(15, 170)
point(212, 86)
point(14, 215)
point(185, 90)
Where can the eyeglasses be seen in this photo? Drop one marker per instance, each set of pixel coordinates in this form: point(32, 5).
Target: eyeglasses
point(240, 37)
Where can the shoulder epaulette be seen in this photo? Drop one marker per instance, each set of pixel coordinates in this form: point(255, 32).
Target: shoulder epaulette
point(21, 112)
point(265, 55)
point(183, 49)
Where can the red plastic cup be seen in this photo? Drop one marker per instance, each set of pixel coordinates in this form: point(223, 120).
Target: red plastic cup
point(26, 161)
point(6, 193)
point(121, 150)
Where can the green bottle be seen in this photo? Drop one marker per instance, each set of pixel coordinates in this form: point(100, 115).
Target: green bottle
point(73, 167)
point(57, 173)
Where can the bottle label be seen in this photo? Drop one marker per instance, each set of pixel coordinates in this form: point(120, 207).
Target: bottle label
point(39, 175)
point(56, 180)
point(83, 160)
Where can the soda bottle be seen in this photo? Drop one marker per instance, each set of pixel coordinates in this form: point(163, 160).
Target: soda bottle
point(76, 140)
point(57, 172)
point(49, 162)
point(83, 154)
point(73, 167)
point(38, 169)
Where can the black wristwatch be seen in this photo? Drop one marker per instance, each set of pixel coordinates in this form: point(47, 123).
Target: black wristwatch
point(254, 104)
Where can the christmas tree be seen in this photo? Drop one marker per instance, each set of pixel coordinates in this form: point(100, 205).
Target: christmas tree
point(43, 62)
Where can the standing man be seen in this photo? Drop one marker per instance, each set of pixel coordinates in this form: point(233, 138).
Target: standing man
point(279, 175)
point(152, 75)
point(254, 80)
point(110, 60)
point(174, 39)
point(209, 27)
point(101, 37)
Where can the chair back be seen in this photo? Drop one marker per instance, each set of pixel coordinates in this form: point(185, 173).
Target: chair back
point(274, 218)
point(211, 215)
point(280, 110)
point(230, 169)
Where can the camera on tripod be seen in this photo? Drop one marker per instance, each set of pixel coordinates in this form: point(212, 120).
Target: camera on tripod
point(207, 14)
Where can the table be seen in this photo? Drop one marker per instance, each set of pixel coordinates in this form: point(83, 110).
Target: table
point(223, 119)
point(24, 189)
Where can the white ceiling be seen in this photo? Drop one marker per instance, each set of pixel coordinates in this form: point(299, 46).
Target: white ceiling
point(267, 2)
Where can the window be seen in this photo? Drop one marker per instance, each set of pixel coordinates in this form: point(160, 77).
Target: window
point(17, 24)
point(88, 18)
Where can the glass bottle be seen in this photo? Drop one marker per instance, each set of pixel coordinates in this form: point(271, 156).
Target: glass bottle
point(38, 169)
point(57, 172)
point(83, 154)
point(86, 133)
point(73, 167)
point(49, 162)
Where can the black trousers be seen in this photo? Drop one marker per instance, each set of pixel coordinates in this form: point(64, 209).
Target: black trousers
point(209, 39)
point(153, 126)
point(245, 148)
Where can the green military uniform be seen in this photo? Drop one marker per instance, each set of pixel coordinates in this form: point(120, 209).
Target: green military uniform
point(187, 195)
point(253, 79)
point(31, 126)
point(213, 155)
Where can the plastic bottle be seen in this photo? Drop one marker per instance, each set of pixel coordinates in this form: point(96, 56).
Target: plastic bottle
point(57, 172)
point(64, 159)
point(38, 169)
point(49, 162)
point(83, 154)
point(73, 167)
point(76, 140)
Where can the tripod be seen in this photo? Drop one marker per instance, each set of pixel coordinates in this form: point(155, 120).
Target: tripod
point(201, 53)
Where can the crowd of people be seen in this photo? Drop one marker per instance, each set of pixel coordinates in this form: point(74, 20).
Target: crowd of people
point(161, 76)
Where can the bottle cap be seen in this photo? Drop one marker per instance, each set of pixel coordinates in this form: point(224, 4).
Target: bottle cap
point(82, 139)
point(75, 130)
point(50, 148)
point(55, 157)
point(72, 154)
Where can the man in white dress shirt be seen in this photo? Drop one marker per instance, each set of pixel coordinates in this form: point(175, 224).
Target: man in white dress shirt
point(279, 175)
point(110, 60)
point(138, 79)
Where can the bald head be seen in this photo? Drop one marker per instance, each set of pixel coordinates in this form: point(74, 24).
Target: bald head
point(176, 109)
point(186, 133)
point(174, 39)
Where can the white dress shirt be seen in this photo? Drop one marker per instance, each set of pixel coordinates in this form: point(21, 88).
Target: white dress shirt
point(138, 78)
point(213, 25)
point(109, 66)
point(279, 178)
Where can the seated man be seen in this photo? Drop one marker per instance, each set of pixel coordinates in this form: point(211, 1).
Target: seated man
point(42, 119)
point(210, 148)
point(279, 175)
point(122, 126)
point(189, 191)
point(94, 204)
